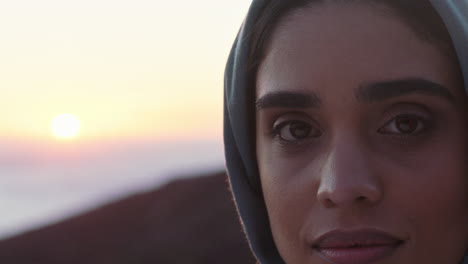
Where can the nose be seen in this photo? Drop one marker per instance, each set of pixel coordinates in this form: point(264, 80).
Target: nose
point(347, 177)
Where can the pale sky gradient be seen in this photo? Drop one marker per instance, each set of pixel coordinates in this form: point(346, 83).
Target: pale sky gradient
point(127, 68)
point(145, 79)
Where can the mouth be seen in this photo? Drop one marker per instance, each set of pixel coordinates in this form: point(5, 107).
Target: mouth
point(363, 246)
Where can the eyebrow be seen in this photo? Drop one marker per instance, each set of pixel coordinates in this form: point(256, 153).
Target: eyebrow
point(373, 92)
point(285, 99)
point(380, 91)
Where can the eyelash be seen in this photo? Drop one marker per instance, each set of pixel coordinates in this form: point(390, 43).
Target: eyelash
point(425, 123)
point(276, 131)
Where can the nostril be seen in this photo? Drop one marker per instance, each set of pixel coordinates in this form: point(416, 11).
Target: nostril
point(361, 198)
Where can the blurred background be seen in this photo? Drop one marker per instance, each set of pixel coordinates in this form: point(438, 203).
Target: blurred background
point(104, 104)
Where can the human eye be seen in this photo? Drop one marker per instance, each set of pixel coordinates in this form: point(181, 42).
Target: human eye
point(406, 125)
point(293, 131)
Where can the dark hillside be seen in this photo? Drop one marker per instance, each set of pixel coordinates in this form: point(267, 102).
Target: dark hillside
point(186, 221)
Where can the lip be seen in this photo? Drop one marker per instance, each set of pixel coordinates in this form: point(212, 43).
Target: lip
point(363, 246)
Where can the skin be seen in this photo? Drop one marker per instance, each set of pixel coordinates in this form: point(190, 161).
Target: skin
point(357, 166)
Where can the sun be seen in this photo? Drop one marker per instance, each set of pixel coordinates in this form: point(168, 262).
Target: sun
point(65, 126)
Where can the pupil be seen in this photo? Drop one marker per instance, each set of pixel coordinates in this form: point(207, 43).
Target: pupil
point(406, 124)
point(299, 130)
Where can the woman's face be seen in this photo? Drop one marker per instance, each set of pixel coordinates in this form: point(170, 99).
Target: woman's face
point(361, 127)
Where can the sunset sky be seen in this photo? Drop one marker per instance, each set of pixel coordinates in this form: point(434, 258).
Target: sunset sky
point(144, 78)
point(140, 68)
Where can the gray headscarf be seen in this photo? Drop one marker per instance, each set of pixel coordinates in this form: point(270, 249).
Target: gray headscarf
point(239, 126)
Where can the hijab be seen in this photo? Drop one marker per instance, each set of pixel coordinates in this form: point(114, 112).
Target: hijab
point(239, 124)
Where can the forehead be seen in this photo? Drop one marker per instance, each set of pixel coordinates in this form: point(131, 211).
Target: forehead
point(343, 45)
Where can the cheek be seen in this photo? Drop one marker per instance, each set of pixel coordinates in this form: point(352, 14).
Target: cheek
point(280, 197)
point(435, 179)
point(434, 194)
point(429, 195)
point(430, 180)
point(434, 210)
point(438, 191)
point(289, 188)
point(286, 214)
